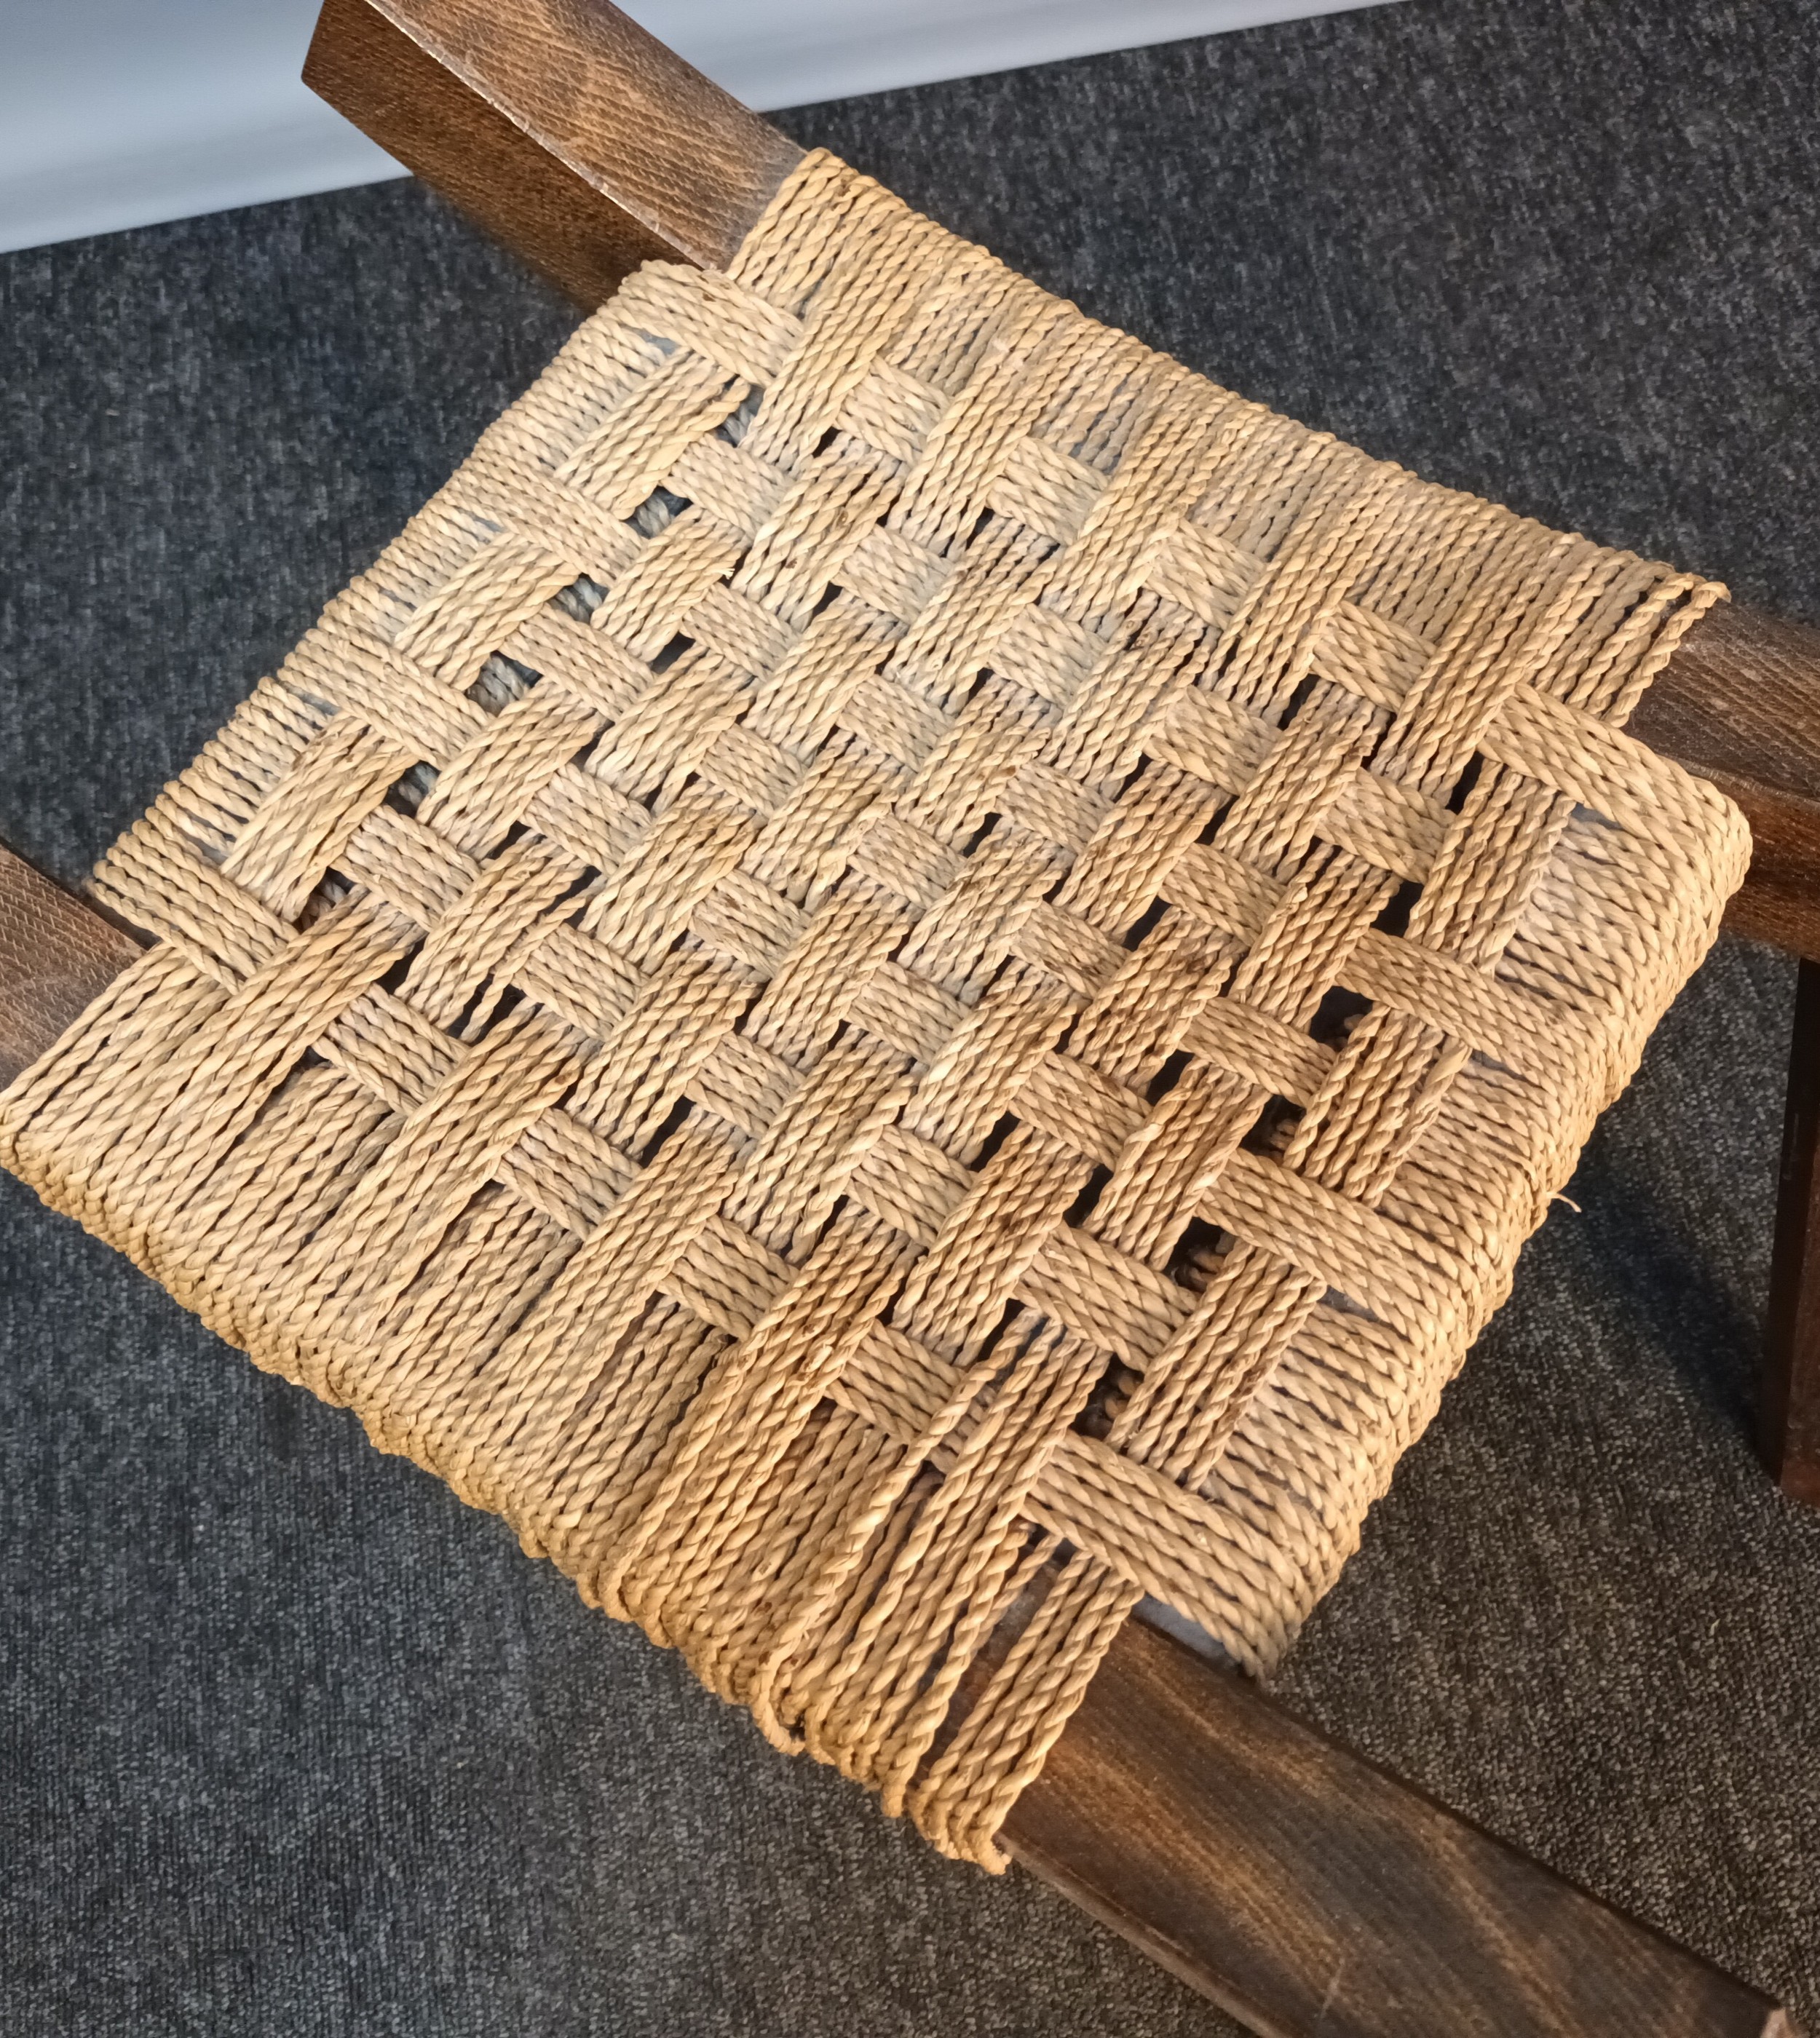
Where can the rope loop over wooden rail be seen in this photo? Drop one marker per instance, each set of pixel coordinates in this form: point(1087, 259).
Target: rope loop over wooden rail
point(900, 976)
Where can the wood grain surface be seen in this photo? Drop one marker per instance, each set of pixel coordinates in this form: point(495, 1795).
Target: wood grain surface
point(1740, 703)
point(56, 955)
point(1307, 1891)
point(564, 130)
point(1789, 1418)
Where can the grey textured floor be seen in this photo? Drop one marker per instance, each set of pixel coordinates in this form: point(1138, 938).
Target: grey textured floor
point(292, 1743)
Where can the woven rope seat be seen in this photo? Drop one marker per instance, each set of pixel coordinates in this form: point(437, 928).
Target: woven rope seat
point(901, 977)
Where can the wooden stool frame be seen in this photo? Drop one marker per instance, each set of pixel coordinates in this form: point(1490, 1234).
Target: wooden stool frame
point(1298, 1886)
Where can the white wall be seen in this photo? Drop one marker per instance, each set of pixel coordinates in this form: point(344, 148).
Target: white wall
point(117, 113)
point(792, 52)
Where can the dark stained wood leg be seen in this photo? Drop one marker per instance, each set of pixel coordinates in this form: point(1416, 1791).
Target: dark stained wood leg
point(1789, 1423)
point(1739, 704)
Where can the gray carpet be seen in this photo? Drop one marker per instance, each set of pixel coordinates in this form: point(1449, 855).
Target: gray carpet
point(293, 1744)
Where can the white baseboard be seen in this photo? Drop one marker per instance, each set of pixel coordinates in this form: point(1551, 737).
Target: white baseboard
point(117, 113)
point(120, 113)
point(297, 151)
point(793, 52)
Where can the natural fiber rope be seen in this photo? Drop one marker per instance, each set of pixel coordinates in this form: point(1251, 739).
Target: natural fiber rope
point(900, 966)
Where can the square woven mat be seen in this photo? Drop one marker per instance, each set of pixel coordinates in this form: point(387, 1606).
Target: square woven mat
point(901, 976)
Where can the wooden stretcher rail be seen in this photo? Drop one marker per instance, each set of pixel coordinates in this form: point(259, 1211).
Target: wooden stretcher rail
point(1294, 1884)
point(1740, 703)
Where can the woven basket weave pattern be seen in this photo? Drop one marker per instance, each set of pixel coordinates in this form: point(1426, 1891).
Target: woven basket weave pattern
point(899, 963)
